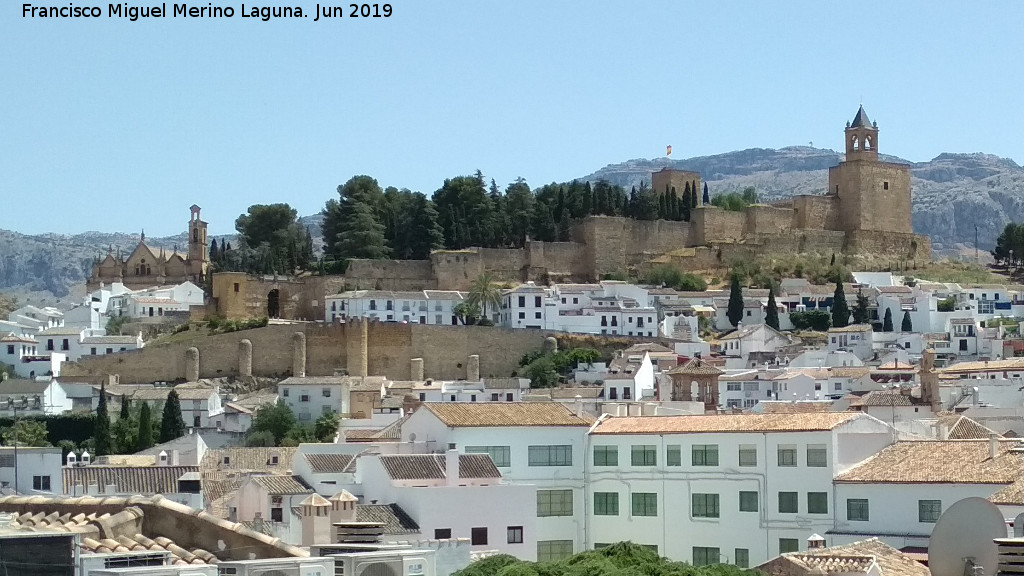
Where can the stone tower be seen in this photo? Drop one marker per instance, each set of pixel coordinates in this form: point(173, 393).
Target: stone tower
point(198, 252)
point(668, 179)
point(873, 196)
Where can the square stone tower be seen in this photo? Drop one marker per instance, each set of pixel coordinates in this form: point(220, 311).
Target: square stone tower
point(873, 196)
point(680, 180)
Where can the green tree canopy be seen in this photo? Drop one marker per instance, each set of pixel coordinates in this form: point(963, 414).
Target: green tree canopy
point(840, 309)
point(771, 317)
point(144, 437)
point(277, 419)
point(887, 321)
point(484, 294)
point(326, 427)
point(25, 432)
point(172, 425)
point(101, 433)
point(735, 310)
point(861, 313)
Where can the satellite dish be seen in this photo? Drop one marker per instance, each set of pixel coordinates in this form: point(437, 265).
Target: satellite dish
point(962, 540)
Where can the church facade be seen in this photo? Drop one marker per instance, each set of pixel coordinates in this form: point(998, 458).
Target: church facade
point(146, 267)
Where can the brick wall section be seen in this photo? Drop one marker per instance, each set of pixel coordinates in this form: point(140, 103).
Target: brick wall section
point(390, 275)
point(816, 212)
point(762, 219)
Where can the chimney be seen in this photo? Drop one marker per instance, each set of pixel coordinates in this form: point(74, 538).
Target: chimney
point(993, 445)
point(416, 365)
point(162, 458)
point(85, 458)
point(577, 406)
point(110, 489)
point(815, 541)
point(174, 457)
point(473, 368)
point(316, 520)
point(451, 467)
point(71, 459)
point(940, 431)
point(343, 507)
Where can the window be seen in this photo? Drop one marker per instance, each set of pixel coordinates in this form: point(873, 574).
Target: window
point(41, 483)
point(644, 455)
point(748, 501)
point(885, 185)
point(705, 454)
point(929, 510)
point(748, 455)
point(64, 344)
point(742, 558)
point(10, 349)
point(575, 300)
point(645, 504)
point(705, 506)
point(304, 398)
point(733, 386)
point(817, 502)
point(522, 301)
point(788, 502)
point(817, 455)
point(674, 457)
point(501, 455)
point(857, 509)
point(478, 536)
point(515, 534)
point(92, 350)
point(508, 397)
point(522, 315)
point(606, 503)
point(277, 514)
point(495, 397)
point(442, 533)
point(284, 392)
point(787, 455)
point(606, 455)
point(789, 545)
point(554, 455)
point(236, 287)
point(110, 350)
point(554, 503)
point(49, 344)
point(326, 392)
point(423, 396)
point(703, 556)
point(551, 550)
point(536, 315)
point(536, 301)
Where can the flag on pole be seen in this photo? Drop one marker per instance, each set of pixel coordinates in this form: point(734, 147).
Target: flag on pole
point(668, 150)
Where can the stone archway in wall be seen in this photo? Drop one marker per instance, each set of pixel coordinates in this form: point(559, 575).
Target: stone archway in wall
point(274, 303)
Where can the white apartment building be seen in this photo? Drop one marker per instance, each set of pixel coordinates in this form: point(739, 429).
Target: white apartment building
point(855, 338)
point(31, 470)
point(899, 493)
point(423, 307)
point(75, 343)
point(737, 489)
point(34, 318)
point(311, 396)
point(538, 444)
point(35, 397)
point(455, 495)
point(611, 307)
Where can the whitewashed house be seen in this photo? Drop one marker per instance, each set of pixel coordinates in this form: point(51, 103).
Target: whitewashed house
point(37, 397)
point(423, 307)
point(855, 338)
point(35, 318)
point(311, 396)
point(272, 502)
point(738, 345)
point(735, 489)
point(327, 468)
point(531, 443)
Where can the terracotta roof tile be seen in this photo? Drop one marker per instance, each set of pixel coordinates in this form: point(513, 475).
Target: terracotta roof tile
point(725, 423)
point(696, 366)
point(845, 559)
point(474, 415)
point(432, 466)
point(394, 519)
point(127, 479)
point(330, 463)
point(935, 461)
point(282, 484)
point(799, 407)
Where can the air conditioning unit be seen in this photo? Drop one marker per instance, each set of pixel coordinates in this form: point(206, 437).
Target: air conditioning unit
point(294, 566)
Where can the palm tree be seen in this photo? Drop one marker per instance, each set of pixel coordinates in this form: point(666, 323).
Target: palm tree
point(483, 293)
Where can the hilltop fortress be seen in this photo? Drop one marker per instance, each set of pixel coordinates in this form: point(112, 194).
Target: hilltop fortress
point(866, 209)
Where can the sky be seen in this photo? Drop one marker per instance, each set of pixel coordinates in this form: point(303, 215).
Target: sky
point(114, 125)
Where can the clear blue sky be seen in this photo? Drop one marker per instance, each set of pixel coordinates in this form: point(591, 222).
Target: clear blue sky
point(113, 125)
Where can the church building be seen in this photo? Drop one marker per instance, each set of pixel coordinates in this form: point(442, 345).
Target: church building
point(146, 267)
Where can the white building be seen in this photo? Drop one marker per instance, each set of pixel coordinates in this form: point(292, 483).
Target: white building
point(611, 307)
point(35, 318)
point(311, 396)
point(855, 338)
point(423, 307)
point(75, 343)
point(455, 495)
point(539, 444)
point(327, 468)
point(273, 500)
point(747, 339)
point(737, 489)
point(31, 470)
point(899, 493)
point(33, 397)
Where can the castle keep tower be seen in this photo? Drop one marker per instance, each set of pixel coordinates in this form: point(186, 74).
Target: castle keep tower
point(873, 196)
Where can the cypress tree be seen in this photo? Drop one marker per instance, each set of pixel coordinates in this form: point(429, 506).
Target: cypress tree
point(685, 209)
point(907, 325)
point(735, 311)
point(102, 438)
point(707, 198)
point(172, 425)
point(887, 321)
point(861, 314)
point(693, 197)
point(213, 250)
point(840, 309)
point(661, 205)
point(125, 405)
point(771, 318)
point(145, 435)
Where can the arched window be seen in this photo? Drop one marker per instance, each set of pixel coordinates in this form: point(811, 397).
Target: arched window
point(195, 234)
point(867, 142)
point(855, 143)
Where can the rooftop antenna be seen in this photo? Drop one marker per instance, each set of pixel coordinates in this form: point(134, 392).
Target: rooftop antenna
point(963, 540)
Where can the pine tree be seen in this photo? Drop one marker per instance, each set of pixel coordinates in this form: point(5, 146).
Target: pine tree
point(907, 325)
point(887, 321)
point(707, 198)
point(420, 232)
point(840, 309)
point(544, 227)
point(771, 318)
point(102, 437)
point(861, 314)
point(693, 197)
point(662, 198)
point(172, 425)
point(145, 435)
point(735, 311)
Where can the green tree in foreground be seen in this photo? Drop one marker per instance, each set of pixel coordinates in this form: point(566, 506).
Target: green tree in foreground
point(25, 433)
point(907, 325)
point(276, 419)
point(172, 425)
point(840, 309)
point(101, 434)
point(326, 427)
point(484, 294)
point(621, 559)
point(735, 310)
point(771, 317)
point(887, 321)
point(145, 434)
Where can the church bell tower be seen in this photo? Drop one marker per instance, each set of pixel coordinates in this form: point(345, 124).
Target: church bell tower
point(198, 253)
point(861, 138)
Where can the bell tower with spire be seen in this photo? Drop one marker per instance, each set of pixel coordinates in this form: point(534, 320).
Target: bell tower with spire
point(874, 196)
point(198, 254)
